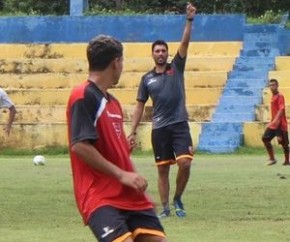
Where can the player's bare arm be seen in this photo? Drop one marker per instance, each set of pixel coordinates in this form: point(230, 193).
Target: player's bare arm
point(12, 113)
point(93, 158)
point(136, 118)
point(190, 14)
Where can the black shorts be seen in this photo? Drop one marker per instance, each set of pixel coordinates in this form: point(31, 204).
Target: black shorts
point(171, 143)
point(112, 224)
point(269, 134)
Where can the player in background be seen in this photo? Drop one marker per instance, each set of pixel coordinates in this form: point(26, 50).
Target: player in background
point(5, 102)
point(110, 195)
point(278, 125)
point(171, 139)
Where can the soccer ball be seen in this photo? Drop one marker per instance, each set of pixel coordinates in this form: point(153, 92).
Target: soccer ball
point(39, 160)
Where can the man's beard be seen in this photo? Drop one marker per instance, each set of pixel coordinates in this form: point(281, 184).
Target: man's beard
point(160, 63)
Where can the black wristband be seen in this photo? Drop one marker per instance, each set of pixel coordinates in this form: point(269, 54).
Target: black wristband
point(190, 19)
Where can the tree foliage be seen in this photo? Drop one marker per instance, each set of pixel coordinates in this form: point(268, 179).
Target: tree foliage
point(61, 7)
point(249, 7)
point(35, 7)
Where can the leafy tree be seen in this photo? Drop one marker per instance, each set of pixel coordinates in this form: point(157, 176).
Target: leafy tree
point(61, 7)
point(40, 7)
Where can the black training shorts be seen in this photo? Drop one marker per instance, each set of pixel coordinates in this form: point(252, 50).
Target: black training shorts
point(171, 142)
point(269, 134)
point(112, 224)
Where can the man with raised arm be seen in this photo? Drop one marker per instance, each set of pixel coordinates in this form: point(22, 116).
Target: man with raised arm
point(171, 139)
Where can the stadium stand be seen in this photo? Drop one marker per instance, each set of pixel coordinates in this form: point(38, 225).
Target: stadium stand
point(243, 91)
point(39, 77)
point(254, 130)
point(228, 66)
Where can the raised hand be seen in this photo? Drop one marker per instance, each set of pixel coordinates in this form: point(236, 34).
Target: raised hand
point(190, 11)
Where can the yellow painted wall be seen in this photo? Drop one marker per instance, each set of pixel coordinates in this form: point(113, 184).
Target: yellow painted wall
point(253, 132)
point(267, 95)
point(39, 78)
point(78, 50)
point(282, 63)
point(32, 136)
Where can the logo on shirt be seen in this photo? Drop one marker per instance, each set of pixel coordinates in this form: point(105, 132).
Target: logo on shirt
point(117, 127)
point(116, 122)
point(170, 72)
point(157, 119)
point(107, 231)
point(113, 115)
point(152, 80)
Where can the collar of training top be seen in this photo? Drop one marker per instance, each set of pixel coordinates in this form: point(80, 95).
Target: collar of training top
point(168, 67)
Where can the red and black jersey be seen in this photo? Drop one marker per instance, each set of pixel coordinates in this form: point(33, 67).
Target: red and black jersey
point(277, 104)
point(98, 119)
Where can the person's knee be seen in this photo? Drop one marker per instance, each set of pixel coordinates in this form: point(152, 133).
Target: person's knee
point(285, 146)
point(280, 141)
point(184, 164)
point(266, 141)
point(163, 170)
point(283, 143)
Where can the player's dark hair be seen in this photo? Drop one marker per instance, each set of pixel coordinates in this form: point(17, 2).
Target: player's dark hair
point(274, 80)
point(159, 42)
point(101, 51)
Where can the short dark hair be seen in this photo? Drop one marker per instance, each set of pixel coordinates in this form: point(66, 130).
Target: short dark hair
point(101, 50)
point(159, 42)
point(274, 80)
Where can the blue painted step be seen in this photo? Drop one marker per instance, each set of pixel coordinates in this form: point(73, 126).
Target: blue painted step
point(233, 117)
point(220, 143)
point(260, 40)
point(238, 100)
point(248, 82)
point(234, 108)
point(252, 66)
point(218, 149)
point(255, 59)
point(242, 91)
point(267, 52)
point(222, 127)
point(221, 140)
point(248, 74)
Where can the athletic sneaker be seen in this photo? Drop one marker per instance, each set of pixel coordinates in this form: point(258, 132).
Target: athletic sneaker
point(164, 213)
point(272, 162)
point(179, 209)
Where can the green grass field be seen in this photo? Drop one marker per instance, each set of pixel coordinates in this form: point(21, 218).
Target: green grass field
point(228, 198)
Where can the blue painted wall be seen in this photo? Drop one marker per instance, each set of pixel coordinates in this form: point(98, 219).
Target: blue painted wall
point(284, 41)
point(283, 34)
point(147, 28)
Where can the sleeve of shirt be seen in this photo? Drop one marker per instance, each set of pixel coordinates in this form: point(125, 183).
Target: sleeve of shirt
point(281, 102)
point(5, 101)
point(179, 62)
point(83, 115)
point(143, 93)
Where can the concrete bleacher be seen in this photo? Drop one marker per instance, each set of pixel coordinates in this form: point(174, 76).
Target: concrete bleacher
point(50, 60)
point(282, 74)
point(254, 130)
point(244, 90)
point(39, 77)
